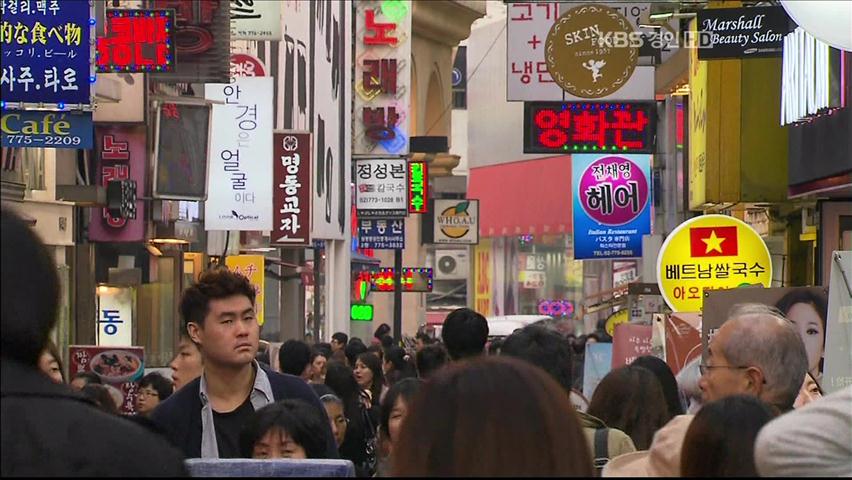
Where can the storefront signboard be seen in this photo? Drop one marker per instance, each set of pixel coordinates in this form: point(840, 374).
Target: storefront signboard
point(456, 222)
point(483, 281)
point(245, 65)
point(240, 157)
point(119, 368)
point(47, 129)
point(116, 308)
point(291, 183)
point(710, 252)
point(381, 234)
point(418, 187)
point(137, 41)
point(255, 20)
point(253, 268)
point(612, 207)
point(361, 313)
point(180, 152)
point(381, 187)
point(741, 32)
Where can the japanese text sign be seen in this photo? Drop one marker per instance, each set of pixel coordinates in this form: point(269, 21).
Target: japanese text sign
point(121, 155)
point(418, 187)
point(630, 342)
point(255, 20)
point(381, 234)
point(382, 77)
point(119, 369)
point(456, 222)
point(556, 127)
point(291, 189)
point(137, 41)
point(253, 268)
point(241, 165)
point(710, 252)
point(46, 52)
point(47, 129)
point(116, 307)
point(412, 279)
point(612, 207)
point(381, 187)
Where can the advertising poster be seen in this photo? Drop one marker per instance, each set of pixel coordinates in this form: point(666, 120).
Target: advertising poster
point(119, 368)
point(239, 193)
point(838, 343)
point(806, 307)
point(253, 267)
point(630, 342)
point(612, 204)
point(710, 252)
point(291, 183)
point(597, 364)
point(482, 281)
point(121, 155)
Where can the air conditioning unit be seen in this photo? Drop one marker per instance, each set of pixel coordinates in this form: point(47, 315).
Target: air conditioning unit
point(452, 265)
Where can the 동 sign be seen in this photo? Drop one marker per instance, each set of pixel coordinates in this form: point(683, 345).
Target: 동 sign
point(381, 187)
point(115, 316)
point(612, 209)
point(239, 188)
point(291, 195)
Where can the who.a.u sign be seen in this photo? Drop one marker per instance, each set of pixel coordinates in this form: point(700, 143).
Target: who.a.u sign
point(47, 129)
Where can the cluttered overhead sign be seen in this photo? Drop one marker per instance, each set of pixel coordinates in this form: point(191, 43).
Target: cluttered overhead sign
point(741, 32)
point(710, 252)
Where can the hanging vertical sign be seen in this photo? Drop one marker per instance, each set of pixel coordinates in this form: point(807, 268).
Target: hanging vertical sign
point(240, 190)
point(255, 20)
point(252, 267)
point(115, 316)
point(612, 208)
point(291, 184)
point(418, 187)
point(382, 77)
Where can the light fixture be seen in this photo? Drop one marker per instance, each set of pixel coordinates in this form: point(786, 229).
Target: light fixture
point(170, 241)
point(153, 250)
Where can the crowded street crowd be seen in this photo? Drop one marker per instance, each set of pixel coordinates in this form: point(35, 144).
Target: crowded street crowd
point(457, 405)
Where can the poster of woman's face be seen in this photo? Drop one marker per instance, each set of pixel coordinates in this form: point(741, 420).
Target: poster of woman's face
point(805, 307)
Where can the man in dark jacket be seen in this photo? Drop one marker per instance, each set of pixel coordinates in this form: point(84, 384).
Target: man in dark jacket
point(47, 428)
point(204, 419)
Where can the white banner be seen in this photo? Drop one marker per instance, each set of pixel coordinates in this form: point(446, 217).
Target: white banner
point(115, 316)
point(255, 20)
point(381, 187)
point(239, 188)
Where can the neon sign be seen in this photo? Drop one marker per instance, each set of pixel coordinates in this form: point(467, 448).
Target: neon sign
point(137, 41)
point(413, 280)
point(361, 313)
point(556, 308)
point(418, 187)
point(589, 127)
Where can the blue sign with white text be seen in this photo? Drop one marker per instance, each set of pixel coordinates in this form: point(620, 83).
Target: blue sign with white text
point(46, 51)
point(47, 129)
point(611, 203)
point(381, 234)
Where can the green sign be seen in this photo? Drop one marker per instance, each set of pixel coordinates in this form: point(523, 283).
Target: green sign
point(361, 313)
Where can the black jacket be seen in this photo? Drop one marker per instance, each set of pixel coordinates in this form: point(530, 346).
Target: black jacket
point(49, 430)
point(180, 415)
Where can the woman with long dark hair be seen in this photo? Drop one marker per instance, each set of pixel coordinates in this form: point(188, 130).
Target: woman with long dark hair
point(368, 373)
point(359, 442)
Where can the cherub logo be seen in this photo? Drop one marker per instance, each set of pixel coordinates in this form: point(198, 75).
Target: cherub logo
point(595, 67)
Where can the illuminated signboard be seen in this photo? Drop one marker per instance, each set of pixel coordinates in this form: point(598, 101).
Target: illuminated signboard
point(361, 313)
point(589, 127)
point(556, 308)
point(137, 41)
point(418, 187)
point(413, 280)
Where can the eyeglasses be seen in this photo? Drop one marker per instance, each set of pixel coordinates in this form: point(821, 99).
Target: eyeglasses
point(704, 368)
point(148, 393)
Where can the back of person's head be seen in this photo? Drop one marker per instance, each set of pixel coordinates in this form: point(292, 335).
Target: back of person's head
point(387, 341)
point(664, 374)
point(764, 338)
point(339, 378)
point(465, 333)
point(543, 348)
point(294, 357)
point(631, 399)
point(494, 347)
point(720, 439)
point(401, 366)
point(381, 331)
point(518, 420)
point(161, 384)
point(404, 390)
point(353, 349)
point(100, 396)
point(296, 419)
point(424, 337)
point(323, 349)
point(29, 298)
point(340, 338)
point(214, 284)
point(429, 359)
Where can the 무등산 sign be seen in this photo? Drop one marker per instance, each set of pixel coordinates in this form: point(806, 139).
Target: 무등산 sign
point(710, 252)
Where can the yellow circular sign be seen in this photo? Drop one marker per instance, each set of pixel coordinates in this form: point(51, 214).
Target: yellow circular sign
point(616, 318)
point(591, 51)
point(710, 252)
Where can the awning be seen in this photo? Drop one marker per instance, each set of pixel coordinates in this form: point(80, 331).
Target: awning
point(526, 197)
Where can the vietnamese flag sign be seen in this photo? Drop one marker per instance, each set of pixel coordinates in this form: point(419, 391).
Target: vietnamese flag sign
point(713, 241)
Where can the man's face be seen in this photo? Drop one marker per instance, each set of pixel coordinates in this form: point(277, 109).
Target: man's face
point(230, 334)
point(721, 378)
point(187, 364)
point(335, 345)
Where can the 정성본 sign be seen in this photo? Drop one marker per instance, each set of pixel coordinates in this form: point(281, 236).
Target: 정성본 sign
point(47, 129)
point(291, 189)
point(255, 20)
point(137, 41)
point(381, 234)
point(180, 151)
point(119, 368)
point(239, 191)
point(585, 54)
point(710, 252)
point(456, 222)
point(741, 32)
point(574, 127)
point(381, 187)
point(612, 209)
point(47, 53)
point(382, 77)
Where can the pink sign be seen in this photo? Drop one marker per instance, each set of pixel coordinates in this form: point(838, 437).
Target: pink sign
point(244, 65)
point(119, 368)
point(121, 155)
point(613, 190)
point(630, 342)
